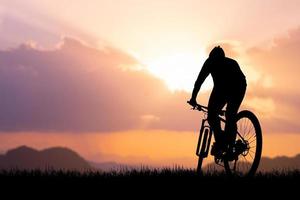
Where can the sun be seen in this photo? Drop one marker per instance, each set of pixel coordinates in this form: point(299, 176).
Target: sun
point(179, 70)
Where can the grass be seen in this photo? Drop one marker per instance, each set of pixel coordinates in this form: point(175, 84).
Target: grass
point(145, 173)
point(150, 182)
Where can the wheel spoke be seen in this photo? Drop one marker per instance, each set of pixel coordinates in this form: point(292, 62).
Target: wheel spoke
point(252, 141)
point(246, 127)
point(248, 131)
point(250, 155)
point(252, 152)
point(240, 126)
point(252, 137)
point(245, 159)
point(243, 126)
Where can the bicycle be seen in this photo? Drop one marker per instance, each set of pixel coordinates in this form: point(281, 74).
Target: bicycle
point(248, 143)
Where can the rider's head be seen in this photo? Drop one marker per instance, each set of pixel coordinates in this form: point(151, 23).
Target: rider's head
point(217, 53)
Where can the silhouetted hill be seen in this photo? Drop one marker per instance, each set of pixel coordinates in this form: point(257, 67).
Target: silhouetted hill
point(109, 166)
point(105, 166)
point(270, 164)
point(56, 158)
point(279, 163)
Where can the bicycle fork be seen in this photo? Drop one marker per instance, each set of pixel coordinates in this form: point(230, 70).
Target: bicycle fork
point(203, 143)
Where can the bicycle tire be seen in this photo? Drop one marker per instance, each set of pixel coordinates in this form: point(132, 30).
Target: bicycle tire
point(246, 114)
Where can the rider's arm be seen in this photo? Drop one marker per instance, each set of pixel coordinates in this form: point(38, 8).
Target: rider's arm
point(201, 77)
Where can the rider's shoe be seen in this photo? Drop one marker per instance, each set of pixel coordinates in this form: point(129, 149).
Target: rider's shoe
point(217, 150)
point(231, 155)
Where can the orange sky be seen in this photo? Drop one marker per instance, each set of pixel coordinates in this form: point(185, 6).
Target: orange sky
point(86, 70)
point(154, 148)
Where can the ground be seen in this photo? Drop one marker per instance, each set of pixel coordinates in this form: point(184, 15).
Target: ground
point(148, 182)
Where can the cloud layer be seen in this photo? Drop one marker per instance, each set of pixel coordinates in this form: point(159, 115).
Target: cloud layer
point(78, 88)
point(279, 81)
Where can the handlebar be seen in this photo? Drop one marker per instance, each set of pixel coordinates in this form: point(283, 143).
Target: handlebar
point(204, 108)
point(198, 107)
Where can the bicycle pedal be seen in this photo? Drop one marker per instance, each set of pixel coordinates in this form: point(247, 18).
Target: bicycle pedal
point(217, 160)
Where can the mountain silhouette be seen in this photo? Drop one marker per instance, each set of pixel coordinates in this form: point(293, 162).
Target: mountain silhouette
point(269, 164)
point(112, 166)
point(60, 158)
point(56, 158)
point(280, 163)
point(105, 166)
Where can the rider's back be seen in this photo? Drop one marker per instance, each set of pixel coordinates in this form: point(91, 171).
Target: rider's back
point(225, 72)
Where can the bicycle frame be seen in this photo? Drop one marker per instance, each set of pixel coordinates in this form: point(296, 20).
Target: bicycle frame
point(206, 131)
point(205, 136)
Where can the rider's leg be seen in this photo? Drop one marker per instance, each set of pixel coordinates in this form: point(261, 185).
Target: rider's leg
point(234, 101)
point(216, 103)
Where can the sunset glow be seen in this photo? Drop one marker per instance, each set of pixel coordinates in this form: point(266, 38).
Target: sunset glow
point(179, 70)
point(110, 79)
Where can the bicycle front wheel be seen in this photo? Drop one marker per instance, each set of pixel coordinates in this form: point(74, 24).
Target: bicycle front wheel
point(249, 143)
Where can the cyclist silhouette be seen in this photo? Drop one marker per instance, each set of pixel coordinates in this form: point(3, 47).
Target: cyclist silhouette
point(229, 88)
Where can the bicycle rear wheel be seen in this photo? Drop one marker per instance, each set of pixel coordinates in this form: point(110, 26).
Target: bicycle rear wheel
point(249, 143)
